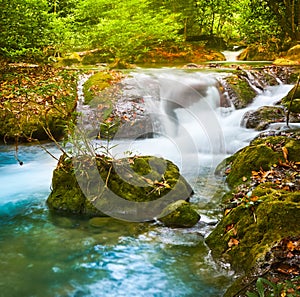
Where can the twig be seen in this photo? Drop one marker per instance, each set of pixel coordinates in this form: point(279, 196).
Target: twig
point(47, 151)
point(16, 151)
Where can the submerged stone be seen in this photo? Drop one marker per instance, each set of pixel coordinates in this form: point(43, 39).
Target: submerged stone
point(179, 214)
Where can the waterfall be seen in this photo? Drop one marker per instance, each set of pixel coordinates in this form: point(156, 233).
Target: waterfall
point(192, 127)
point(66, 256)
point(231, 56)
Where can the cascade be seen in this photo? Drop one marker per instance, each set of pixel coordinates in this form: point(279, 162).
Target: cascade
point(68, 257)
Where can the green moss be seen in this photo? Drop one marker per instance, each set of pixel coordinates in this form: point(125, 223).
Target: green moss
point(256, 231)
point(251, 158)
point(242, 91)
point(294, 95)
point(69, 60)
point(136, 179)
point(179, 214)
point(261, 153)
point(247, 232)
point(95, 84)
point(257, 53)
point(263, 116)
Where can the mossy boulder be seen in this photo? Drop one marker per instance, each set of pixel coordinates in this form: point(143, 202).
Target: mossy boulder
point(261, 153)
point(246, 234)
point(240, 91)
point(94, 186)
point(292, 57)
point(69, 59)
point(292, 100)
point(95, 84)
point(179, 214)
point(257, 53)
point(261, 118)
point(262, 208)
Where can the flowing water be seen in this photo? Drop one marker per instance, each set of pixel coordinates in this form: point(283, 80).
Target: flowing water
point(43, 254)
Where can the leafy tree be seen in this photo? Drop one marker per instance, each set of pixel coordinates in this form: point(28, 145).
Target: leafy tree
point(265, 21)
point(24, 27)
point(125, 29)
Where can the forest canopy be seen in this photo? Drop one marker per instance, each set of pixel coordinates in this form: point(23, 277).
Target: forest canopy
point(35, 29)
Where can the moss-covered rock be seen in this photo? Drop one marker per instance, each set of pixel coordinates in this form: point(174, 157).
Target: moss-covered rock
point(179, 214)
point(241, 93)
point(95, 84)
point(292, 57)
point(246, 234)
point(261, 153)
point(292, 100)
point(262, 117)
point(88, 186)
point(257, 53)
point(263, 207)
point(69, 59)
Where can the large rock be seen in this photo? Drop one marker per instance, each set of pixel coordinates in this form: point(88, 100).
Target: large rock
point(134, 189)
point(261, 153)
point(292, 57)
point(261, 118)
point(239, 90)
point(248, 232)
point(261, 210)
point(257, 53)
point(292, 100)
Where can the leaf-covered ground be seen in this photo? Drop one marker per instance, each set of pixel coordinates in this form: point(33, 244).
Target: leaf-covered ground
point(36, 102)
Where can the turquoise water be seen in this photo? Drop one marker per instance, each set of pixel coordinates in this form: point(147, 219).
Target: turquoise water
point(43, 254)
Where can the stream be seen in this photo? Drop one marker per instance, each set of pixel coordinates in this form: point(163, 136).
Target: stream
point(46, 255)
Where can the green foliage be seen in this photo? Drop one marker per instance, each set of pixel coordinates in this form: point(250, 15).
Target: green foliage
point(24, 28)
point(124, 29)
point(262, 291)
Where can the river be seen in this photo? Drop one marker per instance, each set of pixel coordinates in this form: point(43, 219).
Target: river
point(43, 254)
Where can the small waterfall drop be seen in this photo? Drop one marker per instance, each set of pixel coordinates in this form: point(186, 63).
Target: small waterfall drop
point(231, 56)
point(192, 128)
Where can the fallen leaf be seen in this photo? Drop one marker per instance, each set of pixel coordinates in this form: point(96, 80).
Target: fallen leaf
point(290, 245)
point(285, 153)
point(233, 242)
point(229, 227)
point(227, 170)
point(254, 198)
point(227, 211)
